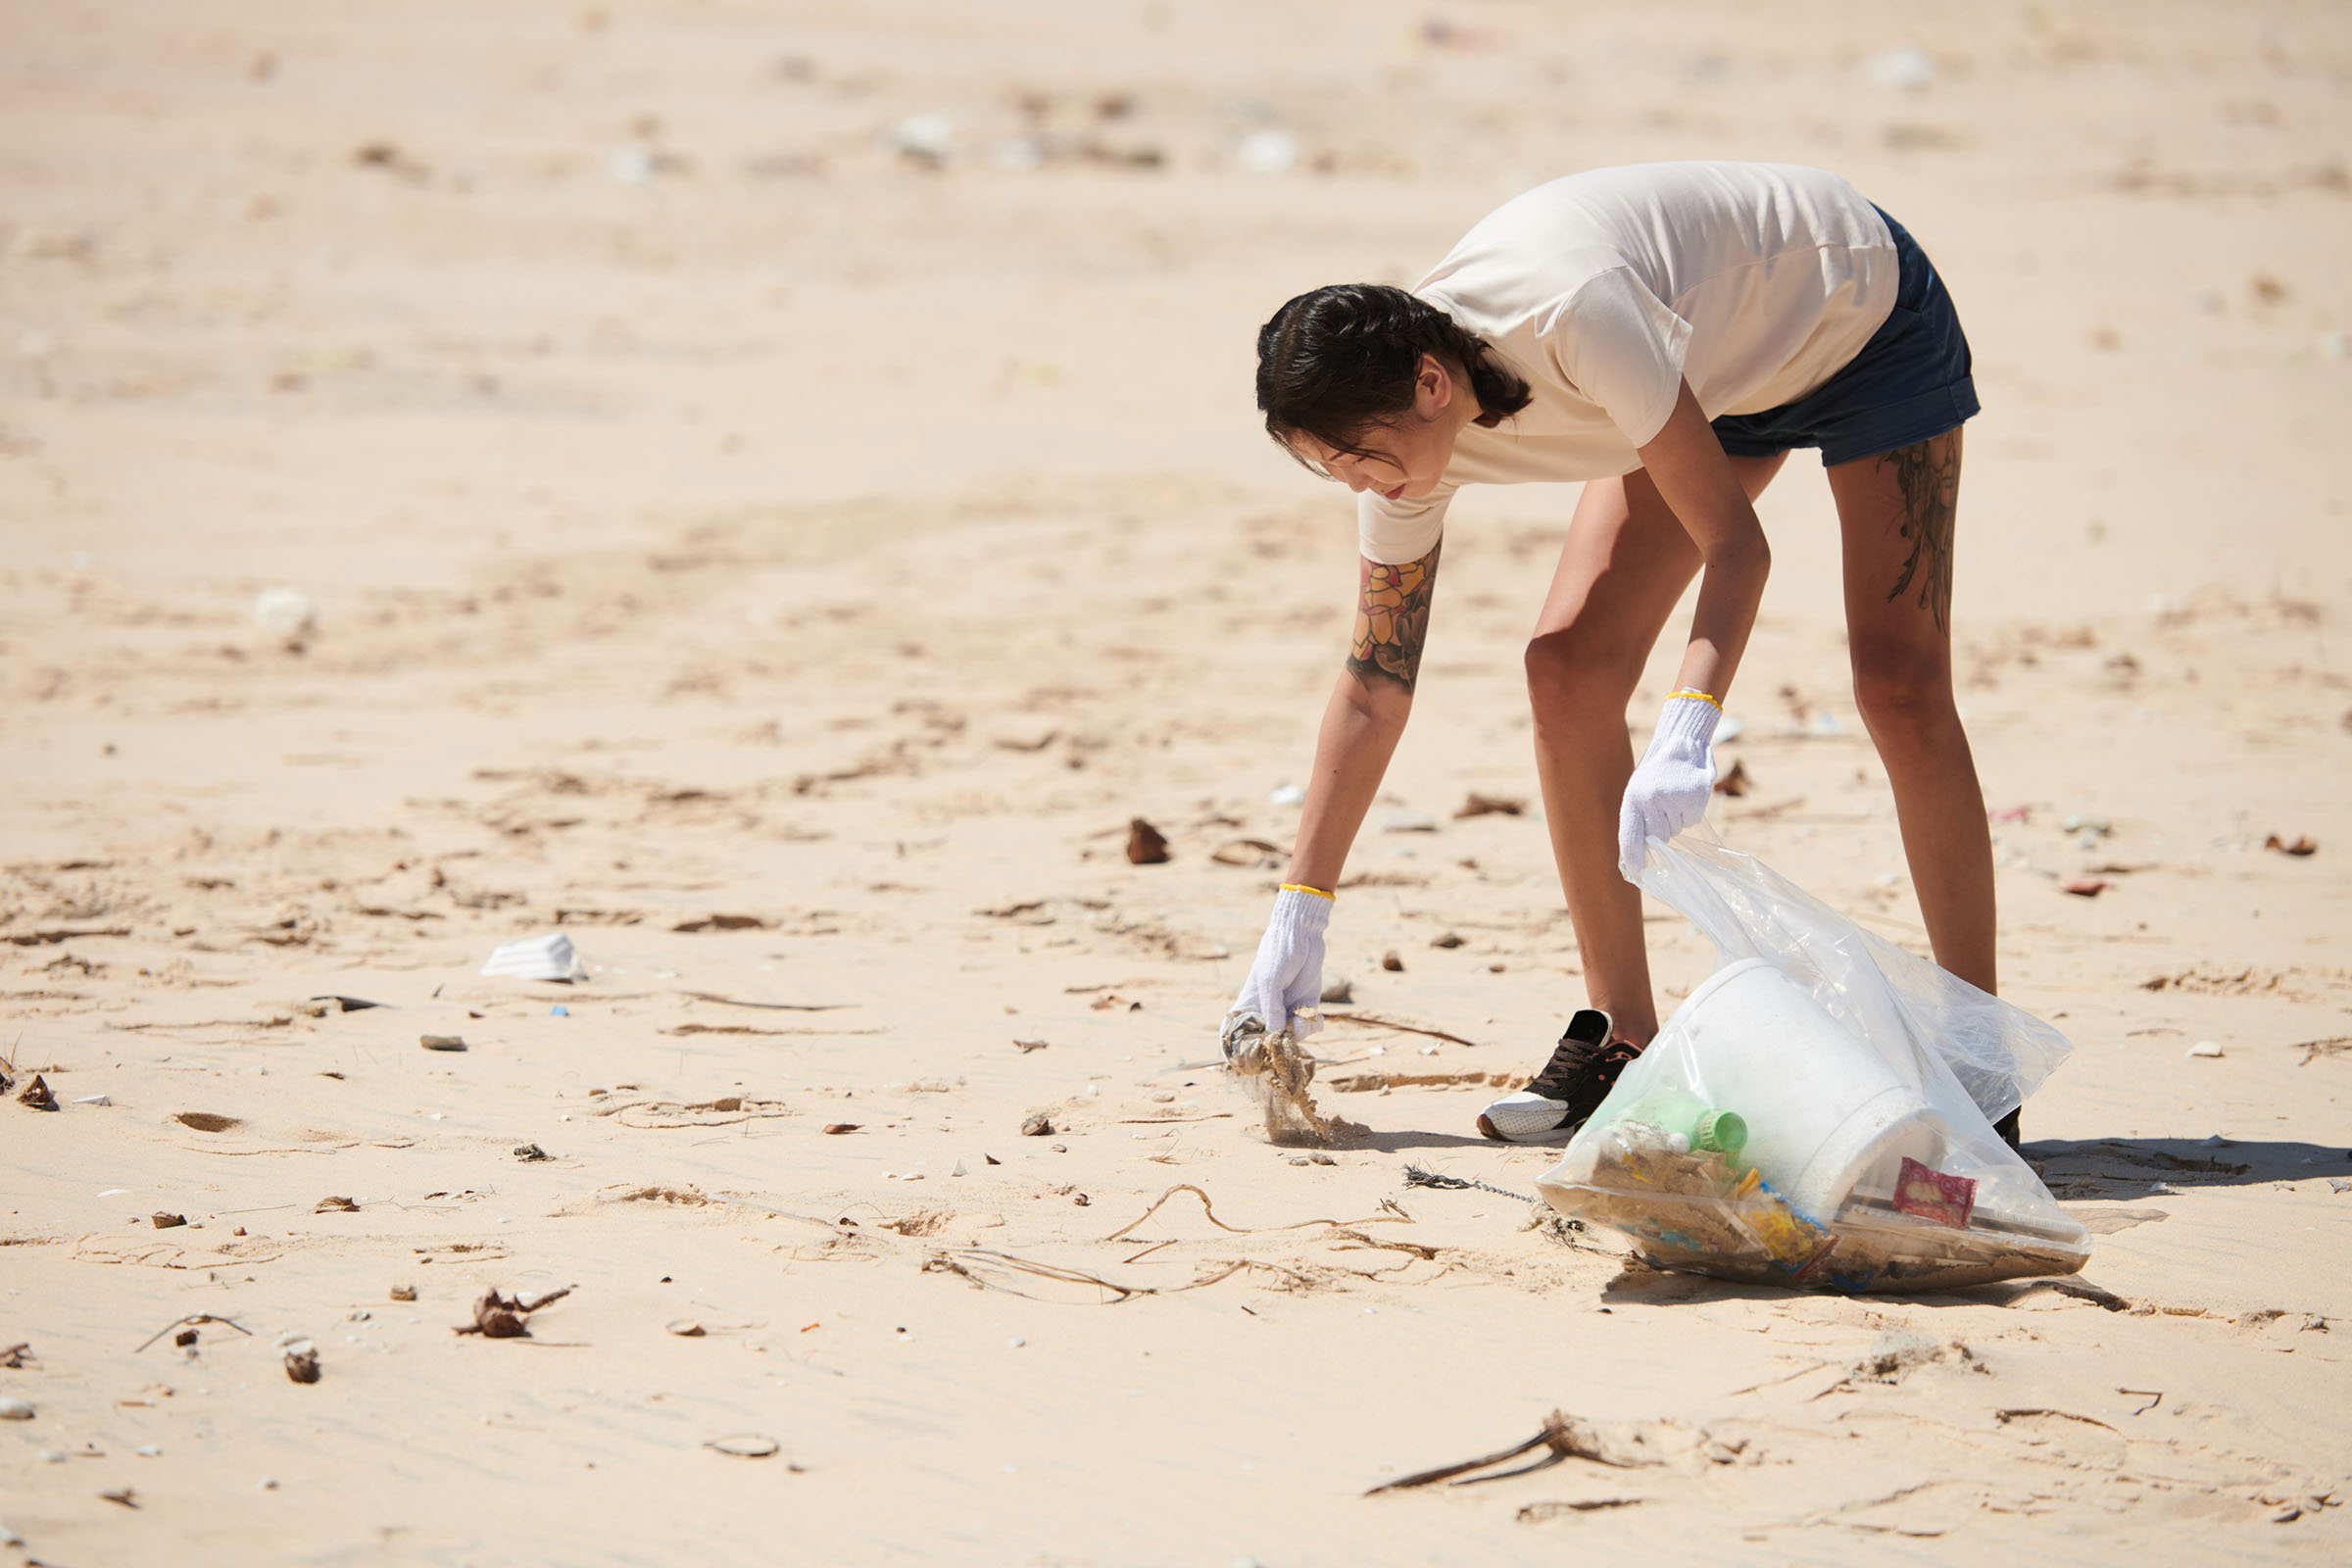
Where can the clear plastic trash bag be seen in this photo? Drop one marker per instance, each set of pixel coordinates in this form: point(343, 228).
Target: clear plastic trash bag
point(1819, 1112)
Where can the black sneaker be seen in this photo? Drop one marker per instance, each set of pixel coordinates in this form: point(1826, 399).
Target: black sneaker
point(1583, 1068)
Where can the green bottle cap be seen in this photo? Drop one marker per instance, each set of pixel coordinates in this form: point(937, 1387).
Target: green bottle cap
point(1722, 1132)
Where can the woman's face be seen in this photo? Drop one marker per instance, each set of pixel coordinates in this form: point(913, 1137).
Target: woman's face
point(1408, 457)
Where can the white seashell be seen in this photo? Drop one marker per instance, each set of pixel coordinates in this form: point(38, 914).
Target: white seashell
point(1267, 152)
point(287, 613)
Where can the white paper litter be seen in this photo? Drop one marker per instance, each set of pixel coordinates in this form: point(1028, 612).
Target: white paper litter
point(547, 958)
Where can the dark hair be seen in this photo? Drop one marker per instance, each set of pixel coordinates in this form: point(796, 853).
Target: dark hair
point(1341, 360)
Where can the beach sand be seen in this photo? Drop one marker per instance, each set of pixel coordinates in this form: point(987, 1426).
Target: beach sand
point(781, 541)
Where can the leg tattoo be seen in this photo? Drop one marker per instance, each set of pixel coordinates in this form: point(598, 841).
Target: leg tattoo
point(1928, 476)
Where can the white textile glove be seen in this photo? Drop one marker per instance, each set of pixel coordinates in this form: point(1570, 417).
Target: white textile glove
point(1669, 790)
point(1287, 975)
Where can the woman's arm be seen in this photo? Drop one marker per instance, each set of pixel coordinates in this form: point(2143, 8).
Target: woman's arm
point(1365, 716)
point(1687, 464)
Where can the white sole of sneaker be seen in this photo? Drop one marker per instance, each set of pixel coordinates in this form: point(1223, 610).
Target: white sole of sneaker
point(1522, 1124)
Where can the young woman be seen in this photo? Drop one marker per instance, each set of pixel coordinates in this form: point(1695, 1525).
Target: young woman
point(1666, 334)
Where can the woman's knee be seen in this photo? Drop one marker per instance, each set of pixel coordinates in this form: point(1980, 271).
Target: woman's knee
point(1906, 695)
point(1567, 676)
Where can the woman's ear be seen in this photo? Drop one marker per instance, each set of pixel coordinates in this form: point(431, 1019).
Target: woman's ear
point(1433, 386)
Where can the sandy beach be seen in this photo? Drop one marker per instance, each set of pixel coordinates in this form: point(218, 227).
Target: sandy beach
point(770, 493)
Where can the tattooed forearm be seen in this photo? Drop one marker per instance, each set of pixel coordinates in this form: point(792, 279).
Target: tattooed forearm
point(1928, 477)
point(1392, 621)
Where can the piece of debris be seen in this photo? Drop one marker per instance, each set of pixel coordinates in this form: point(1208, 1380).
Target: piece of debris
point(1391, 962)
point(205, 1121)
point(1447, 940)
point(121, 1495)
point(335, 1205)
point(1898, 1353)
point(2206, 1048)
point(724, 922)
point(686, 1327)
point(1735, 783)
point(1037, 1124)
point(1029, 1044)
point(186, 1334)
point(302, 1364)
point(13, 1408)
point(547, 958)
point(2301, 846)
point(166, 1221)
point(442, 1042)
point(503, 1317)
point(1145, 843)
point(186, 1338)
point(1566, 1437)
point(286, 613)
point(1490, 806)
point(746, 1446)
point(1415, 1176)
point(403, 1293)
point(528, 1152)
point(1277, 1073)
point(37, 1096)
point(1339, 992)
point(1406, 820)
point(2084, 887)
point(837, 1128)
point(1249, 852)
point(351, 1004)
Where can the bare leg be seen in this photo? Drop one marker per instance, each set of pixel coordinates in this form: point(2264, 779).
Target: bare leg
point(1626, 562)
point(1895, 512)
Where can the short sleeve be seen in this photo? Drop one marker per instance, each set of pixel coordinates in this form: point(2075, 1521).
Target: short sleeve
point(1393, 532)
point(1619, 345)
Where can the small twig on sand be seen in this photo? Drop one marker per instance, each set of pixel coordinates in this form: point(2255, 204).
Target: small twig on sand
point(964, 1261)
point(1399, 1218)
point(1567, 1437)
point(199, 1317)
point(770, 1006)
point(1372, 1021)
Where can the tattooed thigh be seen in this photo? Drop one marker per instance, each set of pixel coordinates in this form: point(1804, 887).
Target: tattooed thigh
point(1927, 476)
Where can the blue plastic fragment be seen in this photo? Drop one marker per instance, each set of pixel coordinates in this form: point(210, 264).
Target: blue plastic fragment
point(559, 1011)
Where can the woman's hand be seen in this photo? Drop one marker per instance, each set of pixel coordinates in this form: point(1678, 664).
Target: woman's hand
point(1670, 789)
point(1286, 980)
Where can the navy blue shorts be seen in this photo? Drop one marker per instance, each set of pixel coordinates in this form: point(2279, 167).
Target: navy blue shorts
point(1911, 381)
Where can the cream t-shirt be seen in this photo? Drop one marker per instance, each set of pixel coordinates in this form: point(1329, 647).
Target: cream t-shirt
point(1607, 290)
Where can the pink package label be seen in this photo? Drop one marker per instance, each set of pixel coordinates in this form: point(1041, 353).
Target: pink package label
point(1933, 1194)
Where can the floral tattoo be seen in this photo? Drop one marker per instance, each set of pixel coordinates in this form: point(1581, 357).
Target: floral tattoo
point(1392, 621)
